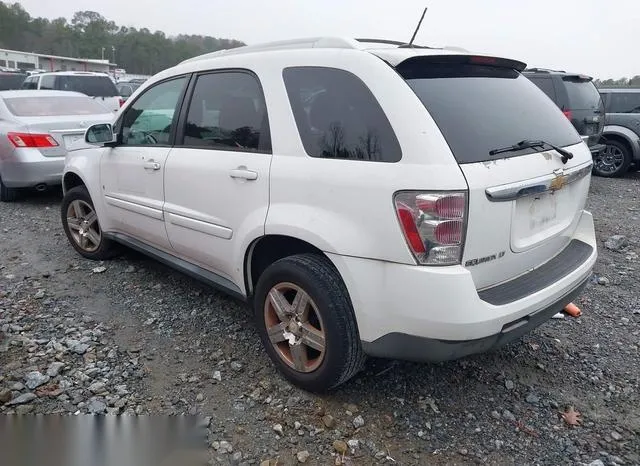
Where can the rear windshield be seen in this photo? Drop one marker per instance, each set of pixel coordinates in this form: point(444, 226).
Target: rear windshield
point(9, 81)
point(480, 108)
point(94, 86)
point(53, 106)
point(583, 94)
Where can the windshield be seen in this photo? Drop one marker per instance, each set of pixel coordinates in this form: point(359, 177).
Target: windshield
point(53, 106)
point(94, 86)
point(481, 108)
point(583, 95)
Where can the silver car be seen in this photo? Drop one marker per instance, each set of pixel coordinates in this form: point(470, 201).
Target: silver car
point(36, 130)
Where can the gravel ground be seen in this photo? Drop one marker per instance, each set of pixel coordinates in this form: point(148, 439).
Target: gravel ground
point(131, 336)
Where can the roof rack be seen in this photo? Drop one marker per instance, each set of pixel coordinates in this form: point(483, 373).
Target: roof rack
point(311, 42)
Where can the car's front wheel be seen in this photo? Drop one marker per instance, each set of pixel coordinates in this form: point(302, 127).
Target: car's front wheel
point(81, 225)
point(306, 322)
point(613, 161)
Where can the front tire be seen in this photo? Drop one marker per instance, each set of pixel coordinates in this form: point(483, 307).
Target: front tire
point(7, 194)
point(81, 225)
point(307, 324)
point(613, 161)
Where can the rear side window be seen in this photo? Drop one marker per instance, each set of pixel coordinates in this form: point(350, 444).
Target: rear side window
point(228, 112)
point(48, 82)
point(338, 117)
point(583, 94)
point(94, 86)
point(479, 108)
point(51, 106)
point(545, 85)
point(622, 102)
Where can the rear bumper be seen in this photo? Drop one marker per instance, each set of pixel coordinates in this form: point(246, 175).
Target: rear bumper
point(27, 168)
point(436, 313)
point(414, 348)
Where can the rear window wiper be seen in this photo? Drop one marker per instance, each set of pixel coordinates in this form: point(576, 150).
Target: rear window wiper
point(532, 144)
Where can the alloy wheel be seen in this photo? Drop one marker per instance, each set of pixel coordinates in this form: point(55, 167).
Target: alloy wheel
point(610, 159)
point(83, 225)
point(295, 327)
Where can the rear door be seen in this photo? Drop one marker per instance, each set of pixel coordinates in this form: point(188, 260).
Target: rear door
point(584, 108)
point(515, 221)
point(217, 176)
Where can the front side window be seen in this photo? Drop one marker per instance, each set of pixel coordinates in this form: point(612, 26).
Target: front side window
point(149, 120)
point(30, 83)
point(338, 117)
point(228, 112)
point(624, 102)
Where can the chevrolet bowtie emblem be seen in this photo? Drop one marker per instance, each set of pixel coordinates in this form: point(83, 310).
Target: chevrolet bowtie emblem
point(560, 180)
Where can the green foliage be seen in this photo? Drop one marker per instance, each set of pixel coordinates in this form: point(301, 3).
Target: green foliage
point(622, 82)
point(139, 51)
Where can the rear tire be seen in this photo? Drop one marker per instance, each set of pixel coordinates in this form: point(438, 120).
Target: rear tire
point(613, 161)
point(81, 225)
point(7, 194)
point(314, 344)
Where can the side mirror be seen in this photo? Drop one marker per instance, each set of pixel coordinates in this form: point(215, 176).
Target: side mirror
point(99, 135)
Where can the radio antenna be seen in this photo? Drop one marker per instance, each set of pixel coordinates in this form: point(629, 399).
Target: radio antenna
point(417, 28)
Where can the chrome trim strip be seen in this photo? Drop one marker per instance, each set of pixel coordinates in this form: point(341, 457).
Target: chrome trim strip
point(542, 184)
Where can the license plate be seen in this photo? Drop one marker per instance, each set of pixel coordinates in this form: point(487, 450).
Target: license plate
point(70, 139)
point(543, 211)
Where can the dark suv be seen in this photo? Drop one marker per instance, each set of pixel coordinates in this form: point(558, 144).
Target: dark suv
point(10, 80)
point(621, 134)
point(579, 100)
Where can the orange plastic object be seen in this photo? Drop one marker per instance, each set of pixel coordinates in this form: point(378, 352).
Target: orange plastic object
point(573, 310)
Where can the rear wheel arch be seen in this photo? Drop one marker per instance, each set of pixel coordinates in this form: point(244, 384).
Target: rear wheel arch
point(618, 138)
point(266, 250)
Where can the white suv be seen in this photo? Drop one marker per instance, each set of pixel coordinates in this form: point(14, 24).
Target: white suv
point(365, 197)
point(94, 84)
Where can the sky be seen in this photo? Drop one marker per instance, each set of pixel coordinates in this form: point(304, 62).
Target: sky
point(596, 37)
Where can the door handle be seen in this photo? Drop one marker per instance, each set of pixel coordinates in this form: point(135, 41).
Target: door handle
point(243, 173)
point(151, 165)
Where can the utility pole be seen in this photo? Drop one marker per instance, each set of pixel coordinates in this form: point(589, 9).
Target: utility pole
point(103, 53)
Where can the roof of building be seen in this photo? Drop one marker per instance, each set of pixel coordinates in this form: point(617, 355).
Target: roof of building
point(57, 57)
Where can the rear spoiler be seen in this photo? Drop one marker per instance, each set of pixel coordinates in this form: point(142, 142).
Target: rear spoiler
point(577, 77)
point(460, 59)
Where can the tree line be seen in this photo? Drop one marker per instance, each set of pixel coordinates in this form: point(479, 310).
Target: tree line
point(622, 82)
point(90, 35)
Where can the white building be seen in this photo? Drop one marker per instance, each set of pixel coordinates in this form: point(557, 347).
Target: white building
point(44, 62)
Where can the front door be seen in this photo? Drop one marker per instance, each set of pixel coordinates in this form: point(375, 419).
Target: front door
point(132, 172)
point(217, 176)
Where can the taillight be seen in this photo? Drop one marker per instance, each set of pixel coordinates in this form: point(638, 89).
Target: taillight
point(32, 140)
point(121, 101)
point(433, 224)
point(568, 114)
